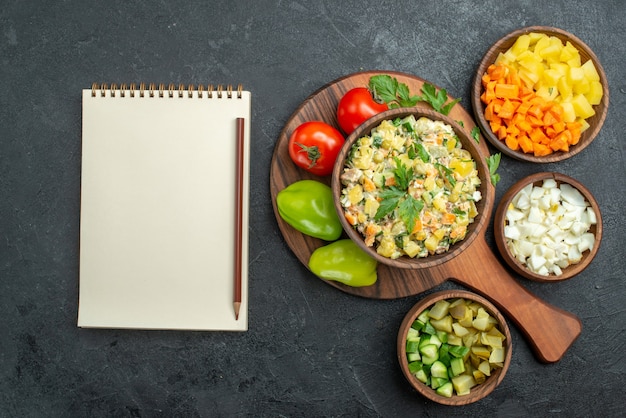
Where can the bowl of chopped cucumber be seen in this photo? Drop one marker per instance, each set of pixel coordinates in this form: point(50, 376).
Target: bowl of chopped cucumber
point(540, 94)
point(411, 188)
point(454, 347)
point(548, 227)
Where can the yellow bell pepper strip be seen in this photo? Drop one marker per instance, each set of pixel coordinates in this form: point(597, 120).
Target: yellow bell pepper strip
point(345, 262)
point(307, 205)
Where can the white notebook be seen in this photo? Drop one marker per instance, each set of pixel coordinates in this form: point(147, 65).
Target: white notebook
point(158, 208)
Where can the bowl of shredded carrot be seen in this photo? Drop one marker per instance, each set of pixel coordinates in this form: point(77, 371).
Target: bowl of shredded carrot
point(540, 94)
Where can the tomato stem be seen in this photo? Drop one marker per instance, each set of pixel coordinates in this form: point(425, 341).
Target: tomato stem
point(312, 153)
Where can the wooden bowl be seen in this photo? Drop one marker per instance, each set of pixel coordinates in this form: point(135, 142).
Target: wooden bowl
point(477, 392)
point(468, 144)
point(596, 121)
point(500, 222)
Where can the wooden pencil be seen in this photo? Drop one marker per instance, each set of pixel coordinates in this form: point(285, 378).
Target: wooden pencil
point(239, 215)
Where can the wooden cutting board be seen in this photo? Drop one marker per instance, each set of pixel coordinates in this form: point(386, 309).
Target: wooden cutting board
point(549, 330)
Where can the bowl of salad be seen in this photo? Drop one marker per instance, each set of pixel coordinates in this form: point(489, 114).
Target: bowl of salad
point(409, 186)
point(540, 94)
point(454, 347)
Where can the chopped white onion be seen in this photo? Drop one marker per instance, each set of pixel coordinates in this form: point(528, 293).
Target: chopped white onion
point(547, 227)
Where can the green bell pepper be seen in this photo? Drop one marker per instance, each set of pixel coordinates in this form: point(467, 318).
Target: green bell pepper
point(307, 205)
point(344, 261)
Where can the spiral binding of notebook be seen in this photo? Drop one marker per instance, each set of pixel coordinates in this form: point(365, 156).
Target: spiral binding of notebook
point(171, 90)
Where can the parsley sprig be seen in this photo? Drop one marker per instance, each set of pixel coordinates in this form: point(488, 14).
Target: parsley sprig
point(493, 162)
point(398, 197)
point(476, 134)
point(389, 90)
point(437, 98)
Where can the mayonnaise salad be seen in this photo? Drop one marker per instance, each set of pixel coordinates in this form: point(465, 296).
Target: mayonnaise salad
point(409, 188)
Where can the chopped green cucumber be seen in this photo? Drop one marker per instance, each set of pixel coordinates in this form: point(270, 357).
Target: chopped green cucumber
point(413, 356)
point(436, 382)
point(458, 351)
point(423, 317)
point(438, 369)
point(454, 346)
point(412, 346)
point(457, 366)
point(430, 350)
point(413, 334)
point(429, 329)
point(422, 376)
point(417, 325)
point(430, 354)
point(435, 340)
point(415, 366)
point(444, 357)
point(445, 390)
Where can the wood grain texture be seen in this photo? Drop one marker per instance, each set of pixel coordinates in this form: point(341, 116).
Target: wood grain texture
point(595, 122)
point(549, 330)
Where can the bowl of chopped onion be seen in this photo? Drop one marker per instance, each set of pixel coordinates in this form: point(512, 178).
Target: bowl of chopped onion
point(411, 188)
point(540, 94)
point(454, 347)
point(548, 227)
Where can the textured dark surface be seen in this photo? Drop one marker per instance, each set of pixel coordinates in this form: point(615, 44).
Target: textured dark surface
point(311, 350)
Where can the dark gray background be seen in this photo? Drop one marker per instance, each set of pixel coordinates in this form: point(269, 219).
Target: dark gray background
point(311, 350)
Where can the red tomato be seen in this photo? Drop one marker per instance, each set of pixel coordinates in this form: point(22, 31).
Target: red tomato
point(357, 106)
point(314, 146)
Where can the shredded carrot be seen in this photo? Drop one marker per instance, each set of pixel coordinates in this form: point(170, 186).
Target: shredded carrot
point(390, 181)
point(521, 118)
point(371, 229)
point(351, 218)
point(368, 184)
point(417, 227)
point(448, 218)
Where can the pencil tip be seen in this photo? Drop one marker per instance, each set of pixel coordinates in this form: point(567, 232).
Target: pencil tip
point(237, 308)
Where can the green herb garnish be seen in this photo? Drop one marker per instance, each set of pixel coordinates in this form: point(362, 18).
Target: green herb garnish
point(437, 98)
point(377, 141)
point(402, 175)
point(421, 151)
point(476, 134)
point(493, 162)
point(409, 210)
point(459, 212)
point(447, 173)
point(392, 92)
point(390, 198)
point(389, 90)
point(396, 196)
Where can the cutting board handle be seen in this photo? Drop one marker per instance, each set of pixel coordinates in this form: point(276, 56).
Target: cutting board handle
point(549, 330)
